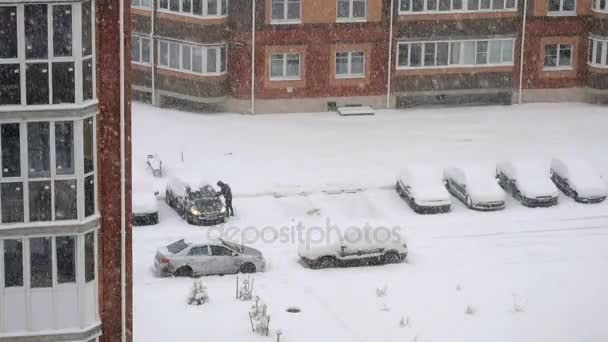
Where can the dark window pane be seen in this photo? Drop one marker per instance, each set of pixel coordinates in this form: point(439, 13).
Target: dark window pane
point(223, 59)
point(135, 57)
point(224, 7)
point(565, 55)
point(41, 262)
point(444, 5)
point(174, 55)
point(211, 7)
point(442, 53)
point(38, 149)
point(36, 39)
point(64, 147)
point(174, 5)
point(12, 202)
point(87, 42)
point(145, 50)
point(62, 30)
point(416, 54)
point(220, 251)
point(197, 7)
point(13, 263)
point(165, 4)
point(568, 5)
point(65, 247)
point(403, 58)
point(278, 9)
point(40, 201)
point(11, 156)
point(186, 6)
point(89, 256)
point(87, 132)
point(429, 54)
point(63, 82)
point(89, 195)
point(10, 85)
point(473, 5)
point(37, 83)
point(87, 79)
point(65, 200)
point(211, 60)
point(8, 32)
point(554, 5)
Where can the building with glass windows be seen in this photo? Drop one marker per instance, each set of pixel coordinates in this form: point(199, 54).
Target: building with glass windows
point(50, 220)
point(311, 54)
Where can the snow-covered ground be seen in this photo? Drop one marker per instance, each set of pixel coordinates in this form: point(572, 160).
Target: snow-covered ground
point(527, 274)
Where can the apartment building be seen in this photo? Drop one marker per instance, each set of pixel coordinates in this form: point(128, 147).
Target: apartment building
point(55, 231)
point(310, 55)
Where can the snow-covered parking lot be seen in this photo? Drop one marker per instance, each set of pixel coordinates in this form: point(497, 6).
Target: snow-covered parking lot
point(521, 274)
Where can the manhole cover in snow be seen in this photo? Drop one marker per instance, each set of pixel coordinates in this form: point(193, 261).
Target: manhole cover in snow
point(293, 310)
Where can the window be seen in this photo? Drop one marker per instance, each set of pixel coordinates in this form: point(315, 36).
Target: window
point(286, 11)
point(65, 200)
point(38, 149)
point(421, 6)
point(89, 257)
point(598, 53)
point(285, 66)
point(140, 49)
point(88, 144)
point(558, 56)
point(87, 29)
point(13, 263)
point(141, 3)
point(62, 30)
point(63, 82)
point(11, 151)
point(11, 197)
point(10, 84)
point(600, 5)
point(220, 251)
point(89, 195)
point(455, 53)
point(64, 147)
point(36, 40)
point(8, 38)
point(558, 7)
point(192, 58)
point(350, 64)
point(41, 270)
point(40, 201)
point(203, 250)
point(203, 8)
point(37, 83)
point(65, 250)
point(349, 10)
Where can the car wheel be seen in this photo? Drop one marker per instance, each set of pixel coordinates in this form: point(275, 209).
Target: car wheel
point(247, 268)
point(391, 258)
point(184, 271)
point(326, 262)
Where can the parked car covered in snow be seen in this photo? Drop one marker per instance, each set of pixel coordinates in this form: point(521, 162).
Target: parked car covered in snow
point(145, 208)
point(423, 189)
point(579, 180)
point(186, 259)
point(198, 205)
point(155, 164)
point(476, 187)
point(528, 182)
point(344, 253)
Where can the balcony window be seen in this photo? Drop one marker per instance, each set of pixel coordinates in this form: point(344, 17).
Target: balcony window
point(65, 250)
point(38, 135)
point(66, 200)
point(11, 197)
point(10, 84)
point(36, 32)
point(63, 82)
point(40, 201)
point(11, 155)
point(89, 257)
point(140, 49)
point(37, 83)
point(208, 60)
point(421, 6)
point(598, 53)
point(41, 262)
point(64, 147)
point(203, 8)
point(13, 263)
point(8, 38)
point(62, 30)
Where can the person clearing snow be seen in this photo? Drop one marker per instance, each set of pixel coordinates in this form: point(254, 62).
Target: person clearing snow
point(227, 193)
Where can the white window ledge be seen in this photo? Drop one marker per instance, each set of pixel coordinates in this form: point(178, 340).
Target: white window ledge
point(507, 10)
point(559, 68)
point(347, 77)
point(561, 14)
point(203, 17)
point(283, 79)
point(454, 66)
point(598, 66)
point(285, 22)
point(49, 107)
point(351, 20)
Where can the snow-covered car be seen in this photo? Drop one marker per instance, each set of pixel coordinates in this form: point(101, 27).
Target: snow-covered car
point(155, 164)
point(528, 182)
point(198, 205)
point(188, 259)
point(145, 209)
point(423, 189)
point(579, 180)
point(475, 186)
point(343, 254)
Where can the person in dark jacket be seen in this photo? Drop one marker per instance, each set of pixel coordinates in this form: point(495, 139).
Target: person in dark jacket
point(227, 193)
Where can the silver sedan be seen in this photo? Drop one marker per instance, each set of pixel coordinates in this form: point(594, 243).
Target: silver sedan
point(184, 259)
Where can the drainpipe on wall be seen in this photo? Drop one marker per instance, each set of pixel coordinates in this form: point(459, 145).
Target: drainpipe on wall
point(253, 6)
point(123, 222)
point(153, 51)
point(521, 57)
point(390, 56)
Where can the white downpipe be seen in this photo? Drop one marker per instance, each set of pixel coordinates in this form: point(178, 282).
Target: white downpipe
point(521, 57)
point(152, 54)
point(390, 57)
point(123, 222)
point(253, 6)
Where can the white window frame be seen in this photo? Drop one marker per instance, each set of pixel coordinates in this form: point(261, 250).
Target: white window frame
point(77, 57)
point(349, 67)
point(561, 12)
point(594, 47)
point(559, 67)
point(350, 17)
point(141, 49)
point(596, 6)
point(284, 20)
point(141, 4)
point(284, 76)
point(79, 175)
point(464, 8)
point(461, 64)
point(205, 49)
point(205, 9)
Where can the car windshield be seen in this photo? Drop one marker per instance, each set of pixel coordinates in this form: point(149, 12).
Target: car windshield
point(177, 246)
point(232, 245)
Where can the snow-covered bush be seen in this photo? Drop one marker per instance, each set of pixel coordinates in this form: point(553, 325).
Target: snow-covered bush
point(470, 310)
point(404, 322)
point(259, 317)
point(245, 289)
point(198, 294)
point(381, 291)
